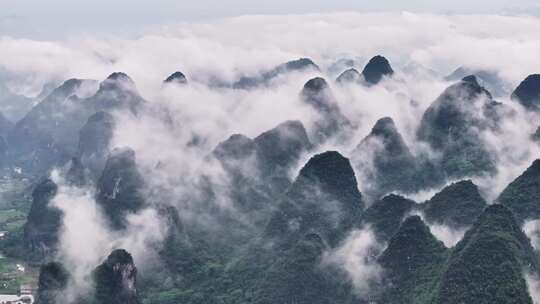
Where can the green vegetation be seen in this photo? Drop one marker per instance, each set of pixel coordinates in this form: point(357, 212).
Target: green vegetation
point(53, 279)
point(115, 280)
point(384, 157)
point(487, 265)
point(385, 215)
point(522, 196)
point(11, 276)
point(12, 219)
point(457, 205)
point(119, 187)
point(15, 203)
point(284, 264)
point(413, 261)
point(450, 126)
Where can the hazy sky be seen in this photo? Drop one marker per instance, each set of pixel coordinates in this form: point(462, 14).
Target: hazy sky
point(57, 18)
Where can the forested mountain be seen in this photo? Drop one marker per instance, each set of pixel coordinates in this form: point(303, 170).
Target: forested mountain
point(127, 203)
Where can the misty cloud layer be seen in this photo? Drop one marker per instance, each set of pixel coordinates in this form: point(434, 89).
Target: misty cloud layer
point(174, 135)
point(46, 19)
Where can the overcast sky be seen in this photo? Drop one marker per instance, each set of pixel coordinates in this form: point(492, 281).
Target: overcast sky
point(58, 18)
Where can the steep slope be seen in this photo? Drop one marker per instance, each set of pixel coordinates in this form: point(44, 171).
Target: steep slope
point(116, 280)
point(118, 91)
point(14, 106)
point(331, 121)
point(193, 261)
point(265, 78)
point(528, 93)
point(486, 265)
point(277, 148)
point(52, 283)
point(3, 152)
point(340, 65)
point(385, 161)
point(120, 187)
point(94, 140)
point(238, 158)
point(258, 170)
point(5, 125)
point(522, 195)
point(457, 205)
point(176, 78)
point(377, 68)
point(536, 135)
point(451, 126)
point(96, 134)
point(412, 262)
point(350, 76)
point(281, 148)
point(298, 277)
point(46, 89)
point(317, 212)
point(386, 215)
point(42, 228)
point(236, 147)
point(490, 79)
point(5, 128)
point(47, 135)
point(324, 199)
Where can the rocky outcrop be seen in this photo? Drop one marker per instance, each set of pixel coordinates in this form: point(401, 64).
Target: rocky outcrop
point(528, 93)
point(176, 78)
point(258, 169)
point(116, 280)
point(42, 228)
point(120, 187)
point(94, 139)
point(330, 122)
point(52, 284)
point(281, 148)
point(47, 135)
point(376, 69)
point(118, 91)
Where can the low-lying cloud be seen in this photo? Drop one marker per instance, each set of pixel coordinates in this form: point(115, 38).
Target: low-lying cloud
point(173, 152)
point(86, 240)
point(229, 47)
point(357, 258)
